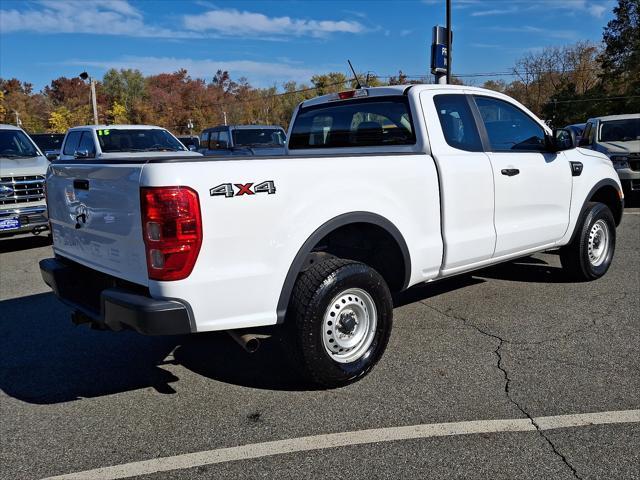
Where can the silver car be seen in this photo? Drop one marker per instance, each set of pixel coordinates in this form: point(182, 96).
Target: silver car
point(618, 137)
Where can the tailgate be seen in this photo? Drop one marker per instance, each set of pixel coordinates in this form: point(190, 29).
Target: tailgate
point(95, 217)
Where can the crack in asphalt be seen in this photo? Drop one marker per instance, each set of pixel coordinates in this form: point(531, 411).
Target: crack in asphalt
point(507, 384)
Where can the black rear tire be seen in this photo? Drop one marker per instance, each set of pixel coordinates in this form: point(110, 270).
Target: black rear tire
point(313, 296)
point(578, 258)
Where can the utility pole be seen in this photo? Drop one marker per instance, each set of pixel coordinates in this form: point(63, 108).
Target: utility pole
point(449, 41)
point(94, 102)
point(225, 117)
point(18, 121)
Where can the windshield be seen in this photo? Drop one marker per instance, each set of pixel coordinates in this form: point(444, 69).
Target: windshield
point(48, 141)
point(261, 137)
point(15, 144)
point(620, 130)
point(138, 140)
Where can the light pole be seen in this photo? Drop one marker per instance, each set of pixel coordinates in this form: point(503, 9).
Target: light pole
point(449, 41)
point(92, 83)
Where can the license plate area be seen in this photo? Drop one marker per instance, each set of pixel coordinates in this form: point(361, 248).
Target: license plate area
point(11, 223)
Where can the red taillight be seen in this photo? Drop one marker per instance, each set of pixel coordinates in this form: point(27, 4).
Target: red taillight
point(172, 229)
point(346, 95)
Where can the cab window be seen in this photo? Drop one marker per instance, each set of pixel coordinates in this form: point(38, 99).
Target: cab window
point(457, 122)
point(509, 128)
point(204, 140)
point(72, 142)
point(87, 143)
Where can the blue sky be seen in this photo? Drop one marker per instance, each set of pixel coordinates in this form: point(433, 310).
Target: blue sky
point(271, 41)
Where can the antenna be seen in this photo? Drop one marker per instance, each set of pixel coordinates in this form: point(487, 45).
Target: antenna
point(358, 85)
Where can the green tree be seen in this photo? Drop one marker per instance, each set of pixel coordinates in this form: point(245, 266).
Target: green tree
point(331, 82)
point(621, 56)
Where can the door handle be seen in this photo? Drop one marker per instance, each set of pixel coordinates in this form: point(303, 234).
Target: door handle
point(510, 172)
point(81, 184)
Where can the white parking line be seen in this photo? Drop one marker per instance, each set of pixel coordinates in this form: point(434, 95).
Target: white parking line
point(331, 440)
point(631, 213)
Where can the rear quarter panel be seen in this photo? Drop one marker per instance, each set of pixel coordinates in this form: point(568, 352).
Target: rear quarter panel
point(250, 241)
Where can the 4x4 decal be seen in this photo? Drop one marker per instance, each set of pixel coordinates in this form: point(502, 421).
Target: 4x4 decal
point(227, 189)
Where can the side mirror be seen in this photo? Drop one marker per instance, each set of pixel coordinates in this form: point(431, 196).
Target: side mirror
point(81, 154)
point(192, 148)
point(51, 155)
point(562, 139)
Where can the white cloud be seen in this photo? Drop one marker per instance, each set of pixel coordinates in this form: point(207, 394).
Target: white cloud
point(404, 33)
point(105, 17)
point(232, 23)
point(554, 33)
point(495, 11)
point(258, 73)
point(595, 8)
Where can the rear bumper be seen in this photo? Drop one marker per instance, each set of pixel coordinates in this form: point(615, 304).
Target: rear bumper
point(30, 218)
point(111, 303)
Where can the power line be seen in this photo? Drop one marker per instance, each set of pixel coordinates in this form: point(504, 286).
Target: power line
point(601, 99)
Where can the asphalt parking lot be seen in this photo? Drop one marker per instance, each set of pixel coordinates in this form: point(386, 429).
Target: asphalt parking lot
point(512, 342)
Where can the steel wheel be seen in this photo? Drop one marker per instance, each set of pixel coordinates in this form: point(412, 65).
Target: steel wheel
point(349, 325)
point(598, 243)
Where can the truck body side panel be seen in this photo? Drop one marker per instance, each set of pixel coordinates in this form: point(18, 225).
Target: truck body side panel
point(251, 240)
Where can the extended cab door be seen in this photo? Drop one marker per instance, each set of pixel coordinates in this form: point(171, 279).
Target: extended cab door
point(466, 179)
point(532, 186)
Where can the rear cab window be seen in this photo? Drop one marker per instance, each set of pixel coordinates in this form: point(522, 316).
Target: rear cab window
point(457, 122)
point(367, 122)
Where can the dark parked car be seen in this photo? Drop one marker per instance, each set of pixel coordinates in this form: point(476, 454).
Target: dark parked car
point(191, 142)
point(48, 143)
point(577, 129)
point(261, 140)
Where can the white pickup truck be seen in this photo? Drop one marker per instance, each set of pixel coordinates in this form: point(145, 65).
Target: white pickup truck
point(381, 189)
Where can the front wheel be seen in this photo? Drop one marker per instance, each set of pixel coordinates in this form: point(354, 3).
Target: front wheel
point(339, 321)
point(589, 255)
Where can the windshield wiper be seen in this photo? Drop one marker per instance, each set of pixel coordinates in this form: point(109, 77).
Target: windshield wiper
point(159, 149)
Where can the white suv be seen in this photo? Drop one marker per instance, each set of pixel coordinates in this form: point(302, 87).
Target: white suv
point(22, 171)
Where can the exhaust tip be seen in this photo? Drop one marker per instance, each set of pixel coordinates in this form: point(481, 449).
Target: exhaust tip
point(250, 342)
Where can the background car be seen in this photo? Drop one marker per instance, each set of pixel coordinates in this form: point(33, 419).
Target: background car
point(577, 129)
point(116, 141)
point(191, 142)
point(618, 137)
point(48, 143)
point(260, 140)
point(22, 171)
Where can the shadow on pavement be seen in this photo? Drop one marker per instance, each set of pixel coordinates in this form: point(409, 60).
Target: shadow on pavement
point(46, 359)
point(528, 269)
point(16, 244)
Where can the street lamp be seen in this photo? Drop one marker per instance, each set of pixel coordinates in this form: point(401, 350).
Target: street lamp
point(92, 83)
